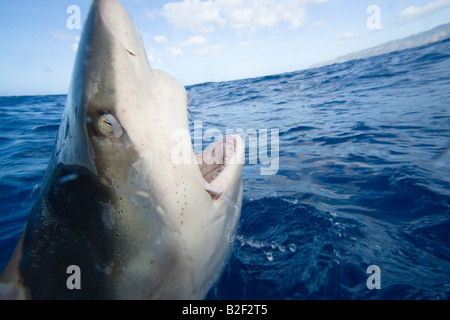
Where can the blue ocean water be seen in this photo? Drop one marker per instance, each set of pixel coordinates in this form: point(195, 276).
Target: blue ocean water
point(363, 178)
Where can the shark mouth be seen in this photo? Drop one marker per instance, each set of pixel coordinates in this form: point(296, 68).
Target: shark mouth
point(216, 164)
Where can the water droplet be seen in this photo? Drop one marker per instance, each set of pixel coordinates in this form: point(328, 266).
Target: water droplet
point(292, 247)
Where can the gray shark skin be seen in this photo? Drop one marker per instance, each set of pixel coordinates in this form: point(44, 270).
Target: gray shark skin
point(115, 202)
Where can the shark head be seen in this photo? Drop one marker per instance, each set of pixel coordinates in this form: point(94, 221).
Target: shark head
point(146, 224)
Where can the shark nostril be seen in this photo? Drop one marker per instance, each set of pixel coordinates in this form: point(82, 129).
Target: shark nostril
point(131, 53)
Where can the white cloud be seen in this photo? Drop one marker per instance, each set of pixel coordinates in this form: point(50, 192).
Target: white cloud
point(255, 14)
point(173, 51)
point(413, 12)
point(347, 35)
point(195, 41)
point(207, 16)
point(207, 50)
point(319, 23)
point(150, 13)
point(74, 40)
point(244, 44)
point(61, 35)
point(195, 15)
point(76, 44)
point(160, 39)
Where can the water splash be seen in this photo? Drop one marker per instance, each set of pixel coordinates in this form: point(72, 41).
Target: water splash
point(266, 247)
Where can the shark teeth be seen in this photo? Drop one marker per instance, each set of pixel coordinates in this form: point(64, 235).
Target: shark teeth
point(214, 192)
point(213, 161)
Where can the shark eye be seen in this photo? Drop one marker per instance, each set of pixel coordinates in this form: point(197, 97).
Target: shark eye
point(109, 126)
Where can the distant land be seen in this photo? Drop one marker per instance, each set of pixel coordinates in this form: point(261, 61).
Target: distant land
point(439, 33)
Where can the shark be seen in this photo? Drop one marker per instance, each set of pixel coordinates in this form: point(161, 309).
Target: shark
point(116, 201)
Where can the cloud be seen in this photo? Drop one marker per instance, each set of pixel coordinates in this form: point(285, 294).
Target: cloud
point(319, 23)
point(210, 15)
point(74, 40)
point(347, 35)
point(76, 44)
point(165, 48)
point(151, 14)
point(195, 15)
point(152, 59)
point(413, 12)
point(208, 50)
point(244, 44)
point(195, 41)
point(173, 51)
point(256, 14)
point(160, 39)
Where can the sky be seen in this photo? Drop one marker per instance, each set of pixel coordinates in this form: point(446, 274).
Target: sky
point(199, 41)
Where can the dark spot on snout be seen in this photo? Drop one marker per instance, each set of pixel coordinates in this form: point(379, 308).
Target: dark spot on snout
point(131, 53)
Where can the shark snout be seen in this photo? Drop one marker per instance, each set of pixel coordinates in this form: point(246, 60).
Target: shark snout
point(118, 22)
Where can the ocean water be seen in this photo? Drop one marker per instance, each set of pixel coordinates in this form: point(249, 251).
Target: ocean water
point(363, 177)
